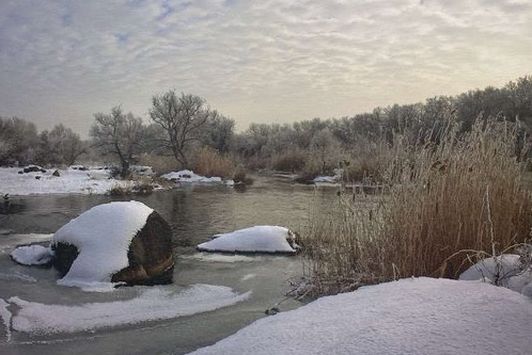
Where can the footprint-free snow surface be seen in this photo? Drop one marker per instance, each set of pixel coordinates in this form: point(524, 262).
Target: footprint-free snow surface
point(410, 316)
point(260, 239)
point(155, 303)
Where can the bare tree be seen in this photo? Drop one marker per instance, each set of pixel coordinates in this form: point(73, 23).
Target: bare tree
point(182, 119)
point(60, 146)
point(118, 134)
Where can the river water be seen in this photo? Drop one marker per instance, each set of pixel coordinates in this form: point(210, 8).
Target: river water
point(195, 213)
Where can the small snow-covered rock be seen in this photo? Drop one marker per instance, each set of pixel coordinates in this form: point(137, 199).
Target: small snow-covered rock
point(505, 270)
point(257, 239)
point(115, 242)
point(188, 176)
point(32, 255)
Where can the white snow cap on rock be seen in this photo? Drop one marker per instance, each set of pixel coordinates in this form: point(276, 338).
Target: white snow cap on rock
point(32, 255)
point(505, 270)
point(409, 316)
point(188, 176)
point(262, 239)
point(102, 235)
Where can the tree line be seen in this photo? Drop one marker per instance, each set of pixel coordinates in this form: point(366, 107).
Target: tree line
point(179, 124)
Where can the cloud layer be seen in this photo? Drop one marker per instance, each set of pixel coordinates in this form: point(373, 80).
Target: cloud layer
point(256, 61)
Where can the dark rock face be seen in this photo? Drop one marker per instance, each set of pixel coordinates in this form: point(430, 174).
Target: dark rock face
point(150, 255)
point(56, 173)
point(65, 254)
point(33, 169)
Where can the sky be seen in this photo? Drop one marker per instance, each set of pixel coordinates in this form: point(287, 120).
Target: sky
point(254, 61)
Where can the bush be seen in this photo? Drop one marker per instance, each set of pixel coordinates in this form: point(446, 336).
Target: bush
point(211, 163)
point(444, 203)
point(289, 161)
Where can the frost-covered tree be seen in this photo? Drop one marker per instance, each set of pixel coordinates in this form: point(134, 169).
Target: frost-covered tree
point(60, 146)
point(182, 118)
point(118, 134)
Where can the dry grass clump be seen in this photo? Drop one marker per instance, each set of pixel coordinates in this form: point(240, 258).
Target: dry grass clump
point(161, 164)
point(444, 201)
point(210, 163)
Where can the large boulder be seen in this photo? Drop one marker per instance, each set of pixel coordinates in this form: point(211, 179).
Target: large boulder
point(117, 242)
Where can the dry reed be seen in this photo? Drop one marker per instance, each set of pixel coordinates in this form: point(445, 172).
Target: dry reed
point(463, 194)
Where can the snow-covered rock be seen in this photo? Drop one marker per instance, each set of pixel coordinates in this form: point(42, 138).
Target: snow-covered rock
point(409, 316)
point(152, 304)
point(32, 255)
point(257, 239)
point(505, 270)
point(188, 176)
point(114, 242)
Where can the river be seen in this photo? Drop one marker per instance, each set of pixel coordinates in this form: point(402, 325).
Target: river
point(195, 214)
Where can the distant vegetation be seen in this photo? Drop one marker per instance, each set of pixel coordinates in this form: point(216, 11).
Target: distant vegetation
point(183, 128)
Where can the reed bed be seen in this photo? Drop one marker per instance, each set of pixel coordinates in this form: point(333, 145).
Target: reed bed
point(444, 203)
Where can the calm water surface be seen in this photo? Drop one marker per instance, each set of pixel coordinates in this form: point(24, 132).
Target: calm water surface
point(195, 214)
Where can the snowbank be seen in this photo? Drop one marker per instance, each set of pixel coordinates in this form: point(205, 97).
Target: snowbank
point(218, 258)
point(155, 303)
point(69, 181)
point(410, 316)
point(330, 179)
point(188, 176)
point(102, 236)
point(261, 239)
point(32, 255)
point(505, 270)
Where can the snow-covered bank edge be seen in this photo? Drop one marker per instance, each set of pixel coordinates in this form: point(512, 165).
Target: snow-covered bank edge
point(152, 304)
point(416, 316)
point(189, 177)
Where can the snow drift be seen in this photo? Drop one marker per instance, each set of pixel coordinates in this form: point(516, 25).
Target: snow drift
point(258, 239)
point(409, 316)
point(102, 236)
point(505, 270)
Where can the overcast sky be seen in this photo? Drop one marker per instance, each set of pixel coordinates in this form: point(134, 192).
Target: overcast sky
point(254, 61)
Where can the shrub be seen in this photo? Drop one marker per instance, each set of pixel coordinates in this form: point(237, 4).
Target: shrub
point(444, 202)
point(290, 161)
point(211, 163)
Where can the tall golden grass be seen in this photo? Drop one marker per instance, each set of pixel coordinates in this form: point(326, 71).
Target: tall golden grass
point(443, 203)
point(209, 162)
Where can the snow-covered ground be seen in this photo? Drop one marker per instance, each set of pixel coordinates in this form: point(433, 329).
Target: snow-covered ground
point(102, 235)
point(153, 303)
point(189, 177)
point(409, 316)
point(71, 180)
point(257, 239)
point(337, 177)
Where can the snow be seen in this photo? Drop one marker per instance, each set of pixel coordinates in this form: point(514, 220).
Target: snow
point(153, 303)
point(330, 179)
point(91, 181)
point(188, 176)
point(409, 316)
point(505, 270)
point(32, 255)
point(262, 239)
point(6, 318)
point(102, 236)
point(218, 258)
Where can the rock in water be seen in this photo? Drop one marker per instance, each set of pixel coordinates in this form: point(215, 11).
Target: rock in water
point(118, 242)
